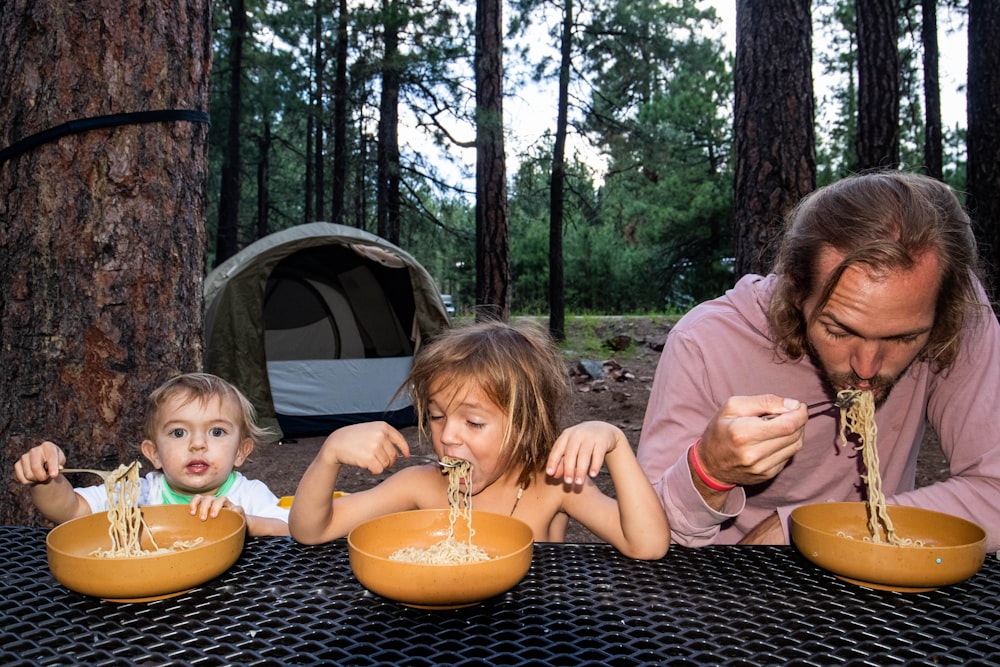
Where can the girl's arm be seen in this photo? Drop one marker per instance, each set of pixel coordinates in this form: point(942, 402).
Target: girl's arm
point(636, 524)
point(316, 517)
point(208, 507)
point(260, 526)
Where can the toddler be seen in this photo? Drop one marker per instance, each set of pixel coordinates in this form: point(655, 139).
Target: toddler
point(199, 428)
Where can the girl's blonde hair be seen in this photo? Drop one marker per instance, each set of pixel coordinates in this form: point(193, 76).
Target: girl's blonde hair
point(202, 387)
point(518, 367)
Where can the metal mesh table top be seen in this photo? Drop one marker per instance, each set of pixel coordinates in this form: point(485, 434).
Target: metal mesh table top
point(580, 604)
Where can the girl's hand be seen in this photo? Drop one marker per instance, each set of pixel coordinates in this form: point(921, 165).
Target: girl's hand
point(371, 445)
point(580, 451)
point(40, 464)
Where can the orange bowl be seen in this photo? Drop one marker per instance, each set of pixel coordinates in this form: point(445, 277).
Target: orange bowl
point(286, 501)
point(151, 577)
point(508, 541)
point(953, 549)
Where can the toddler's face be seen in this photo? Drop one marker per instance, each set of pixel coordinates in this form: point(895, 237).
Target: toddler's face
point(197, 444)
point(465, 424)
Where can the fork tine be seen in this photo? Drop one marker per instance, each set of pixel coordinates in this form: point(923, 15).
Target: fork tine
point(432, 459)
point(846, 398)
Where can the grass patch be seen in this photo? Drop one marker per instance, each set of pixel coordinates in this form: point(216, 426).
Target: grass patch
point(587, 336)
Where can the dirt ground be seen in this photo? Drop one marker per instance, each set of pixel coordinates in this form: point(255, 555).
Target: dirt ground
point(620, 398)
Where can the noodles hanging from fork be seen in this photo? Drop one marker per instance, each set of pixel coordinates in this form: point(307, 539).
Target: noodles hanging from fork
point(859, 418)
point(125, 522)
point(450, 551)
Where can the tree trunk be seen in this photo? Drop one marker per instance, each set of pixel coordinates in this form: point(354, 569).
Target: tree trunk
point(557, 186)
point(774, 136)
point(387, 195)
point(361, 179)
point(983, 138)
point(933, 146)
point(493, 276)
point(318, 110)
point(878, 84)
point(340, 91)
point(102, 240)
point(228, 233)
point(264, 182)
point(308, 211)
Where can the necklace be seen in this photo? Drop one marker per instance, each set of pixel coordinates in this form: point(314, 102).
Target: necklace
point(520, 492)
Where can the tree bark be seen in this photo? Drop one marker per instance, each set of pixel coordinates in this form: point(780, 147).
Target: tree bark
point(933, 145)
point(264, 182)
point(319, 110)
point(557, 186)
point(983, 139)
point(340, 91)
point(878, 84)
point(774, 136)
point(228, 234)
point(493, 274)
point(387, 160)
point(102, 240)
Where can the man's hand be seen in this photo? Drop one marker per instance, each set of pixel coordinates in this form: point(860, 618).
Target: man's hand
point(767, 531)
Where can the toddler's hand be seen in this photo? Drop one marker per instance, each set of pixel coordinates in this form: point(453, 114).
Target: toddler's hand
point(580, 451)
point(40, 464)
point(205, 507)
point(371, 445)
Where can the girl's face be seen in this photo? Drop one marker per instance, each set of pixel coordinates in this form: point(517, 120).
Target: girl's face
point(465, 424)
point(197, 443)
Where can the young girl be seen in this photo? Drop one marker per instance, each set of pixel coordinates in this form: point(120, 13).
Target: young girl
point(199, 428)
point(491, 394)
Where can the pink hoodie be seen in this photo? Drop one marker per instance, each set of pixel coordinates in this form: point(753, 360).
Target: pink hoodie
point(722, 348)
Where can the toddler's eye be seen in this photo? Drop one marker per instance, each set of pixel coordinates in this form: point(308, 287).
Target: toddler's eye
point(217, 432)
point(178, 433)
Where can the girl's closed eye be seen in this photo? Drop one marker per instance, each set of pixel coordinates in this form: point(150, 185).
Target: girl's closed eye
point(473, 424)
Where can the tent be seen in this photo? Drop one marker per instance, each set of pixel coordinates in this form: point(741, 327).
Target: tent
point(317, 324)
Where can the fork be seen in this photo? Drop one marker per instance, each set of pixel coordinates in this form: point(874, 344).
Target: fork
point(103, 474)
point(840, 402)
point(430, 459)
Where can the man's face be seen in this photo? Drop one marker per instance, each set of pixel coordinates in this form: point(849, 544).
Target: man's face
point(874, 324)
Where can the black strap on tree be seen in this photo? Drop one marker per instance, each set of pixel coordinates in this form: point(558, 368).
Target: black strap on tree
point(98, 122)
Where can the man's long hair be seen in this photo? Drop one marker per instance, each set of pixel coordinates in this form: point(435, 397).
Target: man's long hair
point(883, 221)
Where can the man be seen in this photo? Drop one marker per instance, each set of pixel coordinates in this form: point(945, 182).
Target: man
point(876, 288)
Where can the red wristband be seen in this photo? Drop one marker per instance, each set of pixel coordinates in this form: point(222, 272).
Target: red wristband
point(709, 481)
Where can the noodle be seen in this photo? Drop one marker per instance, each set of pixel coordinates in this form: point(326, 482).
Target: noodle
point(859, 417)
point(125, 522)
point(450, 551)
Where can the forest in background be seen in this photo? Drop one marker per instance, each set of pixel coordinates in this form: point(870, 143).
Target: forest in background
point(647, 206)
point(145, 141)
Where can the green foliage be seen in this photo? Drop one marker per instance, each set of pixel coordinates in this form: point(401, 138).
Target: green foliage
point(667, 198)
point(647, 228)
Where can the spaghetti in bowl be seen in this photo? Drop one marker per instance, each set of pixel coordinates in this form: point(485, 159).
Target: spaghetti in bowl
point(508, 543)
point(940, 549)
point(191, 552)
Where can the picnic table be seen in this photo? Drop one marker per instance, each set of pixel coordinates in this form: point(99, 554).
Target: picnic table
point(284, 603)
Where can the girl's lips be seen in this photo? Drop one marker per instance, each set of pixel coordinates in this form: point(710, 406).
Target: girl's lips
point(197, 467)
